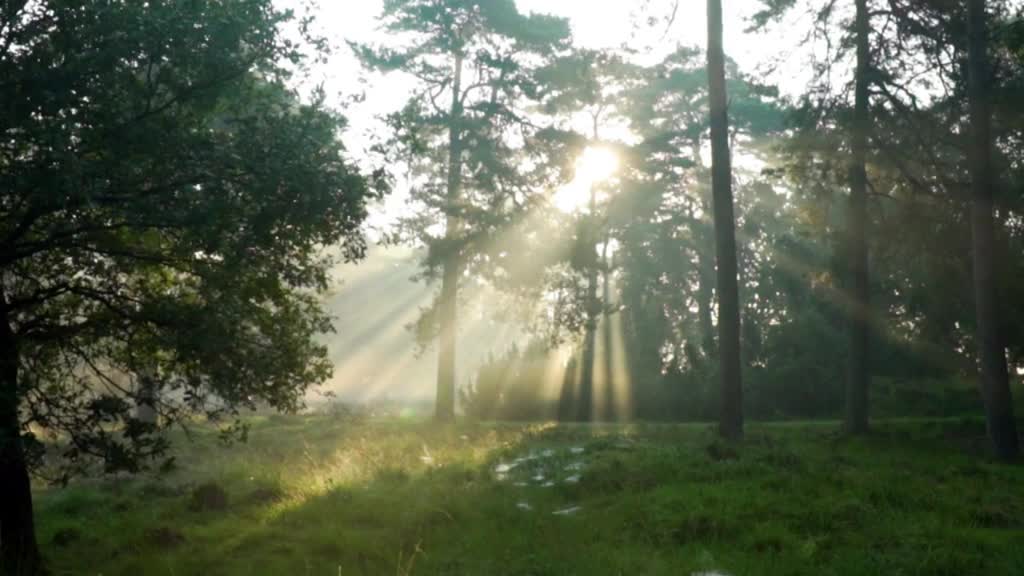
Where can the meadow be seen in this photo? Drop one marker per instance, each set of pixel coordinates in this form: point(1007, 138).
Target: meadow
point(337, 495)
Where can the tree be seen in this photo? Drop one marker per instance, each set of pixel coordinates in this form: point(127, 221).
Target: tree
point(886, 61)
point(731, 417)
point(165, 203)
point(859, 376)
point(475, 57)
point(589, 85)
point(994, 376)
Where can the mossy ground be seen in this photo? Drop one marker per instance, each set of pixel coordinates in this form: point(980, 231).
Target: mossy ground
point(328, 496)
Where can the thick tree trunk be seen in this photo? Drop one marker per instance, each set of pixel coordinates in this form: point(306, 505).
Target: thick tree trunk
point(994, 376)
point(731, 417)
point(19, 554)
point(859, 377)
point(444, 409)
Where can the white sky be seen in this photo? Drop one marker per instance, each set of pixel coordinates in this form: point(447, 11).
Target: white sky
point(383, 277)
point(595, 24)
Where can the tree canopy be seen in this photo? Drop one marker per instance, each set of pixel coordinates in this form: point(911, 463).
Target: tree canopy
point(165, 201)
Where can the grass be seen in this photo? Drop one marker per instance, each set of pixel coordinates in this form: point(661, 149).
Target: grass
point(328, 496)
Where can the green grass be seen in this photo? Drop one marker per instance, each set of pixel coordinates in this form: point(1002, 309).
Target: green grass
point(325, 496)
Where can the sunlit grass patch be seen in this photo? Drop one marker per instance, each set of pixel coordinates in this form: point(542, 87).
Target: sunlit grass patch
point(315, 495)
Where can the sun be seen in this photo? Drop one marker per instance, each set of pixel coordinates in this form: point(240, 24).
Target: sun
point(595, 165)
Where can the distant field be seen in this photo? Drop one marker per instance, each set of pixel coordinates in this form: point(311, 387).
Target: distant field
point(327, 496)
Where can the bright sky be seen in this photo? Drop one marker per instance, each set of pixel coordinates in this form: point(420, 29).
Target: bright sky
point(595, 24)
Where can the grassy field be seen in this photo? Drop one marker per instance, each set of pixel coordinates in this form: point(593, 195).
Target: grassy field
point(328, 496)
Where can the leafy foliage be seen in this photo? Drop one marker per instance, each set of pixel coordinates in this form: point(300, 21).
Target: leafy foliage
point(166, 198)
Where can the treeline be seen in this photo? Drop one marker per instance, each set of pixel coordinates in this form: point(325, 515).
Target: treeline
point(871, 224)
point(520, 384)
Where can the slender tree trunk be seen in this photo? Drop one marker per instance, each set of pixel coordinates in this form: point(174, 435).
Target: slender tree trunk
point(145, 408)
point(643, 363)
point(705, 293)
point(19, 554)
point(859, 377)
point(606, 335)
point(994, 375)
point(568, 396)
point(731, 417)
point(705, 262)
point(585, 407)
point(445, 402)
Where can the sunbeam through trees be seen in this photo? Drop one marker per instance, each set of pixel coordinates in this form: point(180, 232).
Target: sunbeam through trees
point(511, 287)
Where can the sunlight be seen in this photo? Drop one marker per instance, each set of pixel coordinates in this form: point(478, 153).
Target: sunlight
point(595, 165)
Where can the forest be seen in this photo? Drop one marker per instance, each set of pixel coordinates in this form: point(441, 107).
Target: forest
point(510, 287)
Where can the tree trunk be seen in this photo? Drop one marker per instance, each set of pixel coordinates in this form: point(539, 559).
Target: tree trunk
point(585, 406)
point(567, 397)
point(705, 262)
point(444, 410)
point(994, 376)
point(606, 336)
point(705, 295)
point(859, 377)
point(145, 407)
point(731, 416)
point(19, 554)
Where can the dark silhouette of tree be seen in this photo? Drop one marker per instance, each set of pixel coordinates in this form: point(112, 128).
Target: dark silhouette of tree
point(994, 375)
point(165, 200)
point(857, 285)
point(730, 374)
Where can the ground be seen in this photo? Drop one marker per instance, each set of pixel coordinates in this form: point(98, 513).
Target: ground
point(328, 495)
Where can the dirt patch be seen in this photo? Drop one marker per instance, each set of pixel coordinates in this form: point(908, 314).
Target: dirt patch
point(66, 537)
point(209, 497)
point(164, 537)
point(265, 495)
point(159, 490)
point(720, 451)
point(998, 518)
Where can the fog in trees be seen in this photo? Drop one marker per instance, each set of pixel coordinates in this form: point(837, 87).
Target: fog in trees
point(511, 287)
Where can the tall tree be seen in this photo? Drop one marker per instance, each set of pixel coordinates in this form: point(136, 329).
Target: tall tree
point(164, 201)
point(857, 286)
point(731, 417)
point(475, 57)
point(590, 85)
point(995, 384)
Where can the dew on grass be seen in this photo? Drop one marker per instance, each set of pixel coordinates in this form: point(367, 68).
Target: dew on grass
point(546, 471)
point(571, 510)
